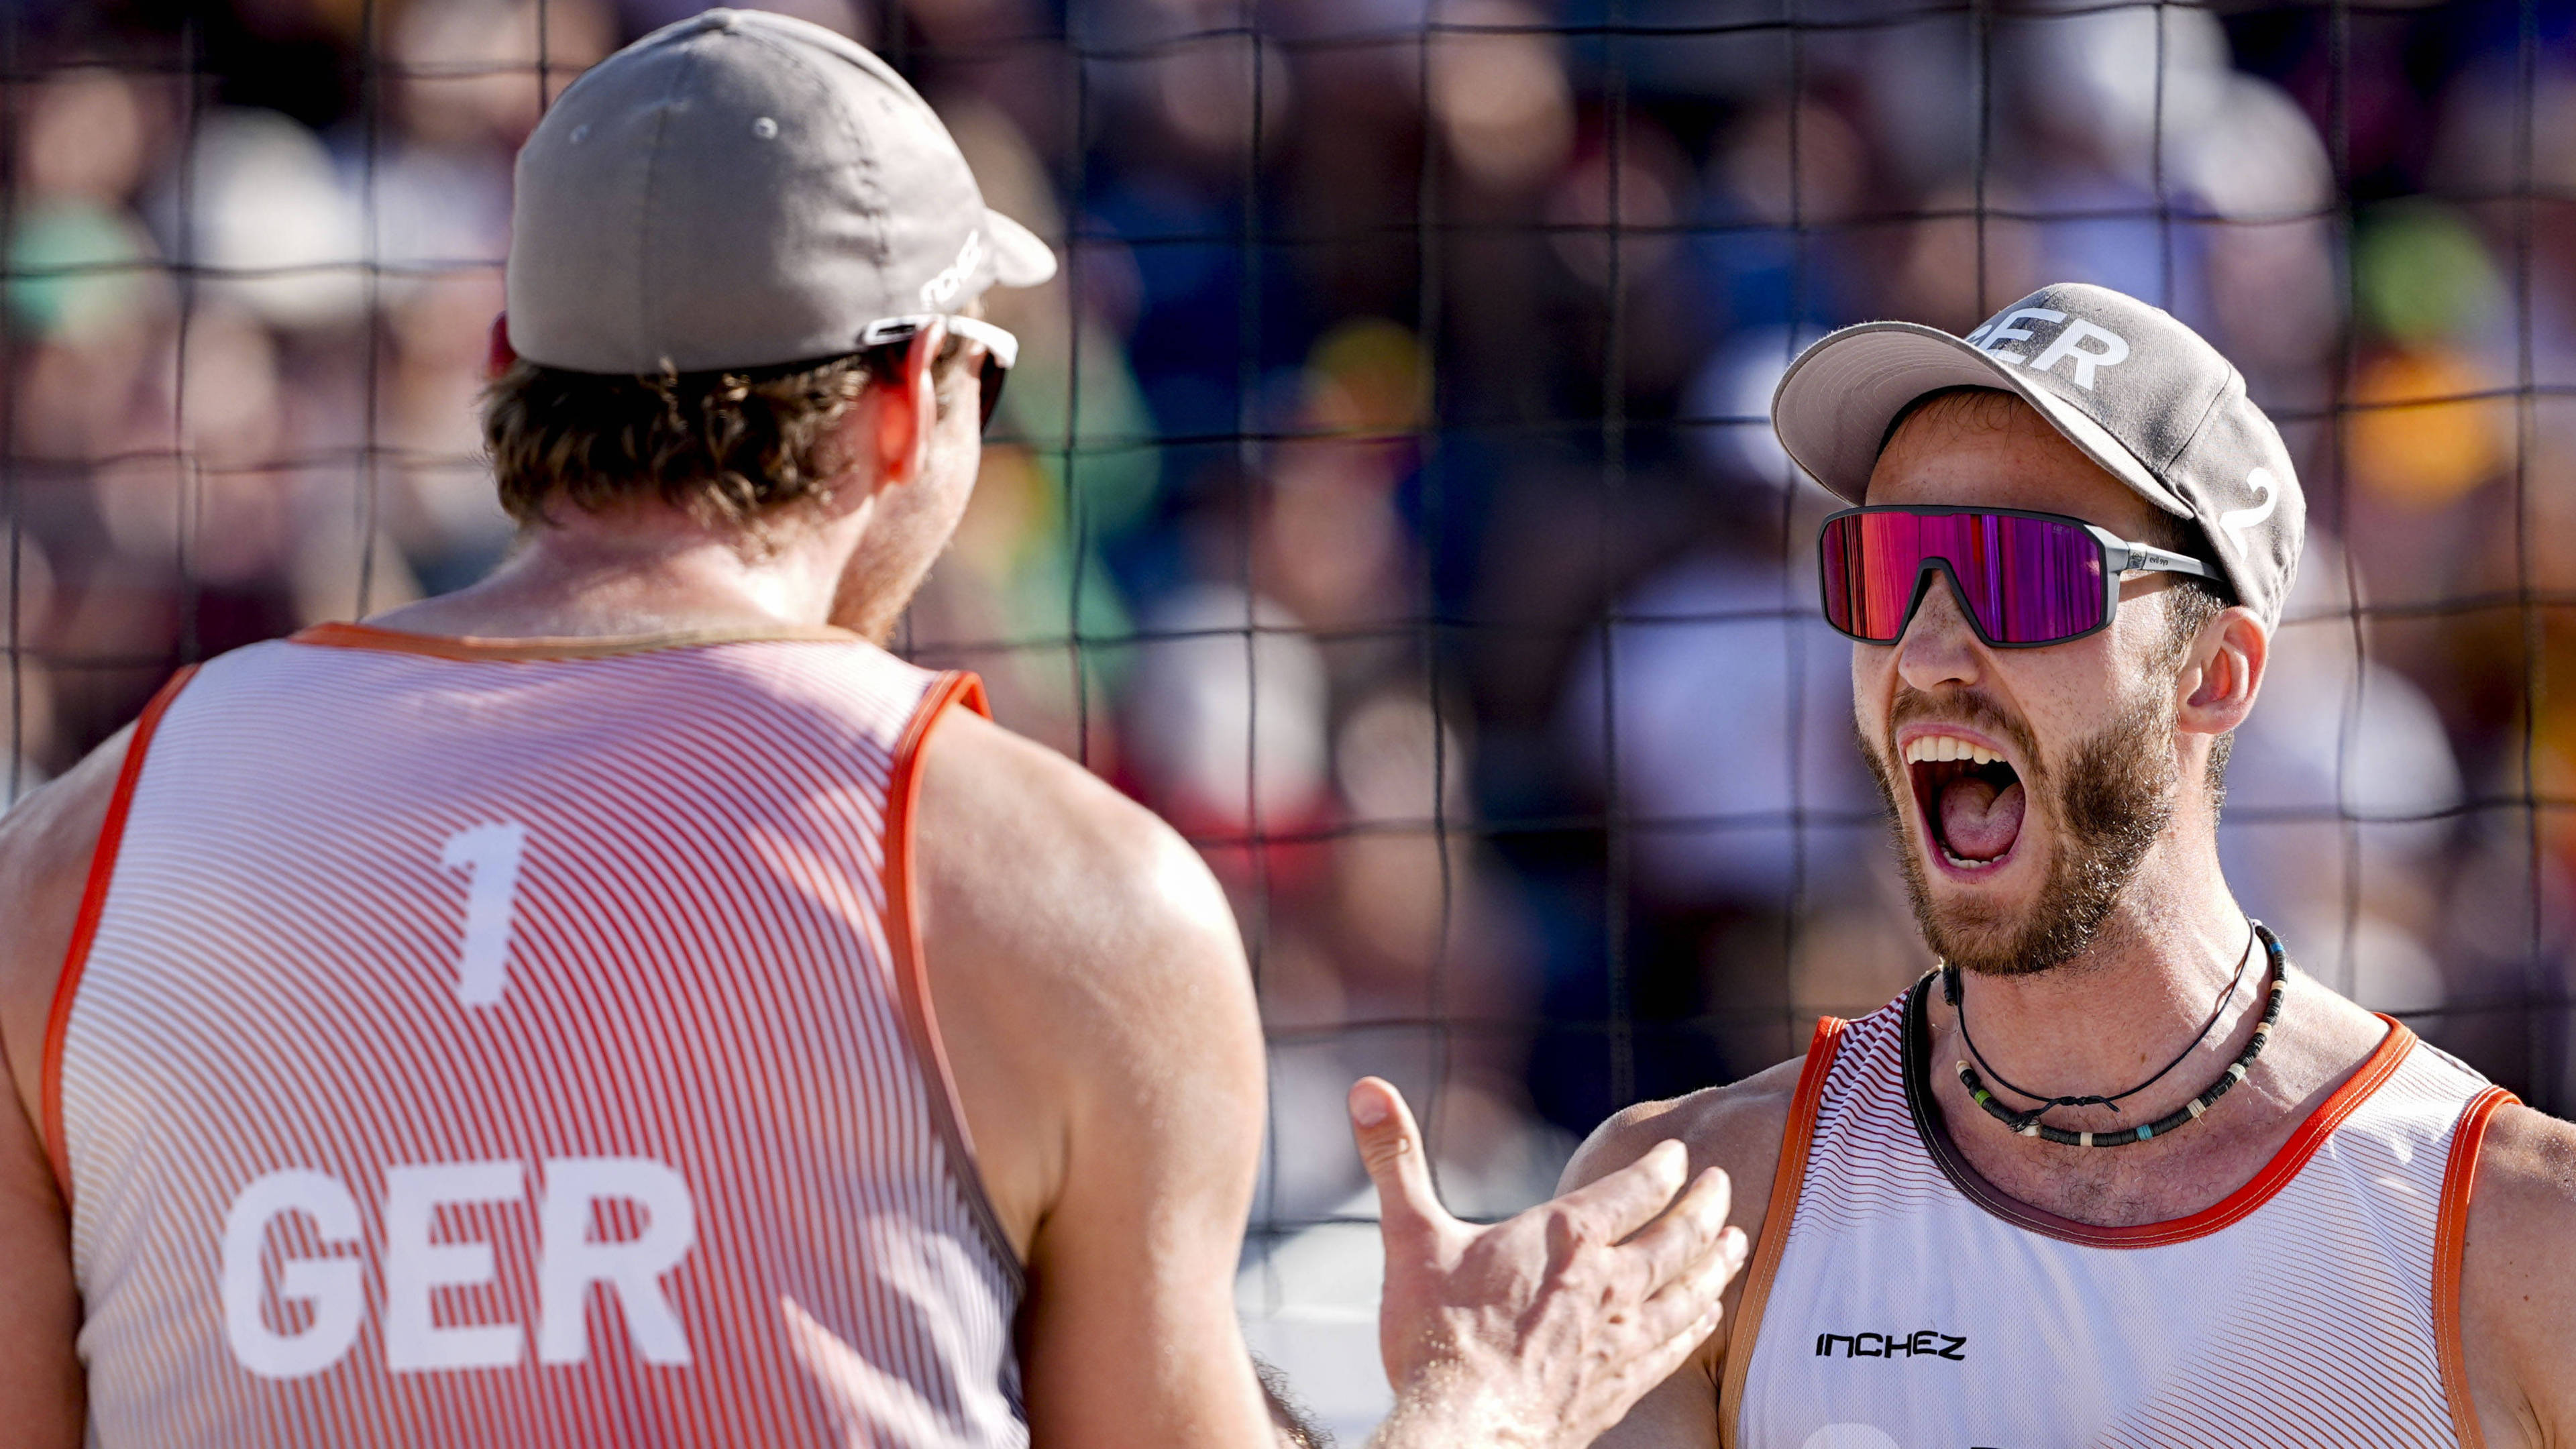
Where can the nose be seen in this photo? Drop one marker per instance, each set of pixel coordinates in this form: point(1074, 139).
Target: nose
point(1938, 647)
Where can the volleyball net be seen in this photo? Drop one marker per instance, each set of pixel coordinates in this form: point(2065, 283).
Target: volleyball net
point(1387, 496)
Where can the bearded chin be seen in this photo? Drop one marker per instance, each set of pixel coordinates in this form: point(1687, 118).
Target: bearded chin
point(2112, 801)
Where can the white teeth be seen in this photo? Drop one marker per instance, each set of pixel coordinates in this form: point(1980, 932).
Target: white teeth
point(1936, 749)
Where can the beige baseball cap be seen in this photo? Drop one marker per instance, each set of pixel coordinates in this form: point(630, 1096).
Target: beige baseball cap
point(740, 190)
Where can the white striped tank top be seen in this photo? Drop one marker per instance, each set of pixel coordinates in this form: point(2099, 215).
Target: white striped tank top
point(523, 1044)
point(1899, 1301)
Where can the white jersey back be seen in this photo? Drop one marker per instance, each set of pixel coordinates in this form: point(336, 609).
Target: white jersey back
point(524, 1044)
point(1899, 1301)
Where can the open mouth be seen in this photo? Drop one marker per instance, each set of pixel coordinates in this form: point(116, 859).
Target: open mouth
point(1971, 798)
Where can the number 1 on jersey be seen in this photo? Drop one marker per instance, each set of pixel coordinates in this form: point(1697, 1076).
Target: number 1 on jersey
point(489, 856)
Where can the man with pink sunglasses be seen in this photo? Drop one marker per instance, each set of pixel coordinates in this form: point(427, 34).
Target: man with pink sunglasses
point(2116, 1172)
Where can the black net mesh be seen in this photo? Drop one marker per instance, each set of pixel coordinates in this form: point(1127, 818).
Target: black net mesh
point(1387, 497)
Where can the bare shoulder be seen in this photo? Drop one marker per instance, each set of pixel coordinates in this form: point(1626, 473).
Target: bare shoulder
point(46, 844)
point(2529, 1161)
point(2526, 1190)
point(1736, 1127)
point(1024, 848)
point(2518, 1289)
point(1089, 982)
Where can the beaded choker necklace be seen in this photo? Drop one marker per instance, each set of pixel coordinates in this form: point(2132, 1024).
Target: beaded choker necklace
point(2027, 1124)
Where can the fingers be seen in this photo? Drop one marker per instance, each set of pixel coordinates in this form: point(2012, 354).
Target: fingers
point(1628, 1199)
point(1391, 1147)
point(1668, 1329)
point(1653, 1366)
point(1681, 1237)
point(1686, 1309)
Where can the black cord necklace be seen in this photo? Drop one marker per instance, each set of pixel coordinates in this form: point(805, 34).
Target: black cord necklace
point(2027, 1123)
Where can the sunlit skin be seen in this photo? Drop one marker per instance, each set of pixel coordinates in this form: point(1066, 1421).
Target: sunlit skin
point(2112, 1016)
point(1091, 991)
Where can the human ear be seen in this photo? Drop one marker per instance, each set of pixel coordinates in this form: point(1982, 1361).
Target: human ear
point(2222, 673)
point(906, 404)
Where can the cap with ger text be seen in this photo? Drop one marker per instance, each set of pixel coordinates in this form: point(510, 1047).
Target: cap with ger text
point(2140, 393)
point(739, 190)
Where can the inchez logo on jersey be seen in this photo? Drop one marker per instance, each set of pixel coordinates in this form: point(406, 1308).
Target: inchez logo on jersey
point(1922, 1343)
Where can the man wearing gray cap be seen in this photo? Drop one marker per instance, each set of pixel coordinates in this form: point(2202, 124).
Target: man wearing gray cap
point(2116, 1172)
point(619, 1003)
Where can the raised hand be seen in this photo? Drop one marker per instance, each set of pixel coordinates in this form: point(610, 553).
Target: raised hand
point(1539, 1331)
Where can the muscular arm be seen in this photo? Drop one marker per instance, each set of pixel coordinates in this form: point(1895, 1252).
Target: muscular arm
point(45, 849)
point(1092, 994)
point(1737, 1128)
point(2518, 1282)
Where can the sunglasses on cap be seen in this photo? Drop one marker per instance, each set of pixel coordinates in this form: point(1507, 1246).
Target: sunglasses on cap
point(2025, 579)
point(1001, 349)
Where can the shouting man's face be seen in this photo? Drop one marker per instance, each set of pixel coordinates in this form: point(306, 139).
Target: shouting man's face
point(2025, 788)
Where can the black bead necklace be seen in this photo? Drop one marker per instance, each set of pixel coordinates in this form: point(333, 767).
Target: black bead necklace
point(2027, 1124)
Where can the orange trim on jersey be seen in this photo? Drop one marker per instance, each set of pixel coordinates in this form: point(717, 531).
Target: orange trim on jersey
point(2275, 1175)
point(1787, 1177)
point(903, 933)
point(2375, 1069)
point(442, 646)
point(2450, 1254)
point(102, 868)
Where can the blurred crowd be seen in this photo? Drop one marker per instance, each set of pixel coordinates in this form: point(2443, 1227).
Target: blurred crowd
point(1387, 497)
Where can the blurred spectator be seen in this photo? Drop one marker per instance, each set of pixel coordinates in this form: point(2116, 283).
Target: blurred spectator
point(1227, 720)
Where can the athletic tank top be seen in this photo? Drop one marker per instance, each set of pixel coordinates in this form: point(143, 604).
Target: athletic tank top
point(490, 1044)
point(1899, 1301)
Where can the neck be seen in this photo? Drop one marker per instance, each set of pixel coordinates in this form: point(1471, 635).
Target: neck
point(2111, 1018)
point(649, 569)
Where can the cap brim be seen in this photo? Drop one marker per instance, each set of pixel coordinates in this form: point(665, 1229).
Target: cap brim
point(1833, 406)
point(1019, 258)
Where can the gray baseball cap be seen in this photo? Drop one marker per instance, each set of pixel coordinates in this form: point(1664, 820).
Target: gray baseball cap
point(2142, 394)
point(738, 190)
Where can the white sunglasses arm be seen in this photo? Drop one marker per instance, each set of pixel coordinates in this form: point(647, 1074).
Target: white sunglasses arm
point(2141, 558)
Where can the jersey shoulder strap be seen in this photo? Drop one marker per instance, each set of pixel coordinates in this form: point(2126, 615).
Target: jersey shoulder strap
point(1786, 1179)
